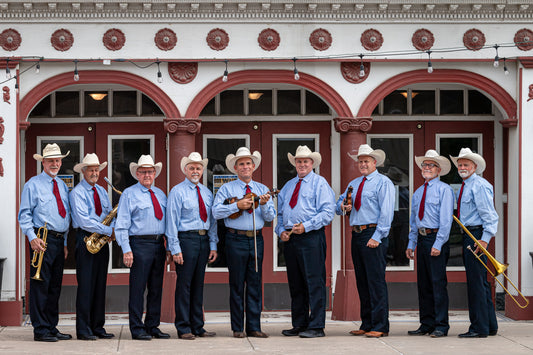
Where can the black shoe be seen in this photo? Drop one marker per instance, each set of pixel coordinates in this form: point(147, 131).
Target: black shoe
point(86, 337)
point(419, 331)
point(472, 335)
point(312, 333)
point(293, 332)
point(156, 333)
point(493, 332)
point(438, 334)
point(105, 335)
point(61, 336)
point(47, 338)
point(142, 336)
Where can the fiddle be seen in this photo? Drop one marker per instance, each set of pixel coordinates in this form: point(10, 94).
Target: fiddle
point(348, 198)
point(256, 200)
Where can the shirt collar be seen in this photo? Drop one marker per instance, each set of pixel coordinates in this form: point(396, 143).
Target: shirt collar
point(372, 175)
point(433, 181)
point(307, 177)
point(190, 185)
point(144, 189)
point(86, 185)
point(470, 178)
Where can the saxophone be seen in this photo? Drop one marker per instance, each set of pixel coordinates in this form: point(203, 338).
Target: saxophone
point(96, 241)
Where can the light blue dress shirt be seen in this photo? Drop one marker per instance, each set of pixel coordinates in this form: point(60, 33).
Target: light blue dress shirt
point(183, 214)
point(136, 216)
point(477, 206)
point(315, 207)
point(83, 210)
point(377, 203)
point(38, 205)
point(237, 188)
point(438, 212)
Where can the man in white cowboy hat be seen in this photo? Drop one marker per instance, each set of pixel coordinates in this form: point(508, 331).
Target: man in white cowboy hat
point(372, 211)
point(431, 221)
point(475, 210)
point(245, 281)
point(140, 231)
point(90, 205)
point(192, 240)
point(306, 205)
point(44, 200)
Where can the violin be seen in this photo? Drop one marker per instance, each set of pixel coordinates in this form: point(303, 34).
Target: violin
point(348, 198)
point(256, 199)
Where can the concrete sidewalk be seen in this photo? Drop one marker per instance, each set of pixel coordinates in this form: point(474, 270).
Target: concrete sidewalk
point(514, 337)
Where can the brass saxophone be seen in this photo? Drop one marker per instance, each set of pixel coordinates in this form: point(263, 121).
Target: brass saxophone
point(96, 241)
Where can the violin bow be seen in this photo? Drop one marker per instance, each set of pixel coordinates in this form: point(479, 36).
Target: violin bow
point(255, 237)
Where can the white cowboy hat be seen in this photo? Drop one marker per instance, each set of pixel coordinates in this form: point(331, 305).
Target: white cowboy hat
point(303, 151)
point(90, 160)
point(442, 162)
point(194, 157)
point(50, 151)
point(242, 152)
point(366, 150)
point(466, 153)
point(145, 161)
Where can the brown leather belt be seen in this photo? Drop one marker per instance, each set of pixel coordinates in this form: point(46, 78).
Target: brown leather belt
point(52, 233)
point(359, 229)
point(425, 231)
point(246, 233)
point(148, 236)
point(197, 231)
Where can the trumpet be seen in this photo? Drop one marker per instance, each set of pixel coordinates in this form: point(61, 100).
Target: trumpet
point(499, 268)
point(39, 254)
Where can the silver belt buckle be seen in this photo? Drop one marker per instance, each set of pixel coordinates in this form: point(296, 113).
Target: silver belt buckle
point(422, 231)
point(357, 229)
point(201, 231)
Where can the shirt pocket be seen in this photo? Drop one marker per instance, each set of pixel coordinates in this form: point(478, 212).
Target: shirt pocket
point(48, 203)
point(433, 202)
point(189, 207)
point(308, 196)
point(467, 201)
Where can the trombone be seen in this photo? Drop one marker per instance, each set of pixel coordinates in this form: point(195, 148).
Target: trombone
point(39, 254)
point(498, 267)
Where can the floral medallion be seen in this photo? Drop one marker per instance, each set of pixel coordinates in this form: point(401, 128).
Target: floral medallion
point(165, 39)
point(268, 39)
point(320, 39)
point(62, 40)
point(114, 39)
point(183, 72)
point(423, 39)
point(474, 39)
point(372, 40)
point(10, 39)
point(351, 71)
point(524, 39)
point(217, 39)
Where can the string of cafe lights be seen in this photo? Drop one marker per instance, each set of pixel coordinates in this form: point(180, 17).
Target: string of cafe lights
point(37, 61)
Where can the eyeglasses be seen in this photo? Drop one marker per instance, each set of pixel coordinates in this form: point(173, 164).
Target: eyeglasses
point(430, 165)
point(145, 172)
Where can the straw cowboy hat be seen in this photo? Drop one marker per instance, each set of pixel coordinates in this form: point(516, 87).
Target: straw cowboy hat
point(303, 151)
point(50, 151)
point(442, 162)
point(90, 160)
point(366, 150)
point(194, 157)
point(145, 161)
point(466, 153)
point(242, 152)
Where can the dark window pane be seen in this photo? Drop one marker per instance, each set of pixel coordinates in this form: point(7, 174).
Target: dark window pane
point(289, 102)
point(376, 110)
point(260, 102)
point(209, 109)
point(314, 105)
point(124, 103)
point(149, 107)
point(96, 103)
point(231, 102)
point(478, 104)
point(395, 103)
point(67, 103)
point(451, 102)
point(42, 109)
point(423, 102)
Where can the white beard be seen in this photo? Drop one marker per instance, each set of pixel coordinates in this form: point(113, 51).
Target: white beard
point(464, 173)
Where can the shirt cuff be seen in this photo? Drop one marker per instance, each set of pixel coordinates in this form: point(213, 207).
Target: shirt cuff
point(486, 237)
point(411, 245)
point(213, 245)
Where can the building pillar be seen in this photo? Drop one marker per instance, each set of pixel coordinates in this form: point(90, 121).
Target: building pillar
point(346, 304)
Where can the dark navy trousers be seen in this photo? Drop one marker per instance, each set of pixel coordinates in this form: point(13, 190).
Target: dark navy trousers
point(432, 284)
point(245, 283)
point(190, 283)
point(370, 264)
point(480, 306)
point(146, 273)
point(305, 257)
point(91, 274)
point(44, 295)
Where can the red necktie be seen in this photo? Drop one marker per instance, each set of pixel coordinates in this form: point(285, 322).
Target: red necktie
point(249, 191)
point(201, 205)
point(60, 206)
point(294, 197)
point(157, 208)
point(459, 200)
point(422, 203)
point(357, 203)
point(97, 203)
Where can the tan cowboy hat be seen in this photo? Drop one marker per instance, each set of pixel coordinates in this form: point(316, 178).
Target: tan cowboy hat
point(466, 153)
point(366, 150)
point(50, 151)
point(194, 157)
point(303, 151)
point(145, 161)
point(242, 152)
point(90, 160)
point(442, 162)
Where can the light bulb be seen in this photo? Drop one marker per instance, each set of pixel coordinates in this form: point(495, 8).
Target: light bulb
point(76, 76)
point(159, 77)
point(225, 77)
point(38, 68)
point(361, 71)
point(496, 62)
point(430, 67)
point(296, 75)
